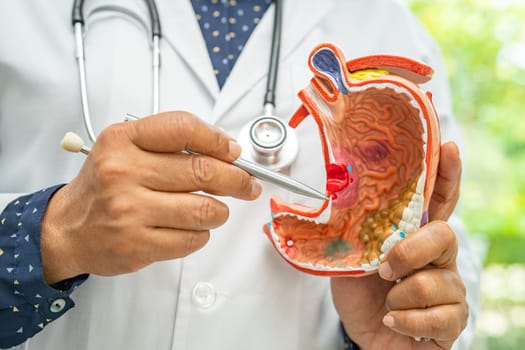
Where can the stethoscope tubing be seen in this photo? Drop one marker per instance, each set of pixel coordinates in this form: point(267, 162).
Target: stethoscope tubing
point(273, 69)
point(78, 16)
point(79, 25)
point(81, 63)
point(78, 22)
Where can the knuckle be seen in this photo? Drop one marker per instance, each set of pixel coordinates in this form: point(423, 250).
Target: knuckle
point(438, 323)
point(108, 171)
point(119, 207)
point(424, 286)
point(446, 239)
point(206, 211)
point(246, 183)
point(446, 234)
point(445, 231)
point(195, 241)
point(211, 213)
point(460, 285)
point(181, 123)
point(453, 199)
point(402, 253)
point(191, 243)
point(202, 169)
point(108, 166)
point(220, 142)
point(108, 136)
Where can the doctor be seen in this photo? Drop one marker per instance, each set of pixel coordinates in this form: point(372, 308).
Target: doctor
point(194, 271)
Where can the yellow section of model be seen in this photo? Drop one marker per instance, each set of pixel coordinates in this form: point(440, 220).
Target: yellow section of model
point(368, 74)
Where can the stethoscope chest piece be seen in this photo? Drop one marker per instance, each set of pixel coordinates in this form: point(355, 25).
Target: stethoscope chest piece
point(270, 142)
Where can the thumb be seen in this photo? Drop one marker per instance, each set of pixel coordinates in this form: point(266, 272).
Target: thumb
point(446, 188)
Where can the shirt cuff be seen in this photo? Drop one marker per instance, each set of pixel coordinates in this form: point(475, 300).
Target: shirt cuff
point(22, 282)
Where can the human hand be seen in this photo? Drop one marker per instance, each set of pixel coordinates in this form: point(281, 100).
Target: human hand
point(133, 202)
point(429, 302)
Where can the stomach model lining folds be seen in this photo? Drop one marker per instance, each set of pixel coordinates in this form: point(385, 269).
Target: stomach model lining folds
point(380, 137)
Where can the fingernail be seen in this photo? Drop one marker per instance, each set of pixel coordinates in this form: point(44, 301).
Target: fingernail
point(385, 270)
point(235, 149)
point(389, 321)
point(256, 187)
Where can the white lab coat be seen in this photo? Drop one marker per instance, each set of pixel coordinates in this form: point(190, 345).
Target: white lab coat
point(254, 299)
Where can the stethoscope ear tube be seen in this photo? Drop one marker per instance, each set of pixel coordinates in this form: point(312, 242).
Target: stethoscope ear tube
point(77, 16)
point(269, 97)
point(81, 63)
point(154, 18)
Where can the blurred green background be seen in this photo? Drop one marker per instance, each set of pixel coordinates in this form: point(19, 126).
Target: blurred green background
point(483, 42)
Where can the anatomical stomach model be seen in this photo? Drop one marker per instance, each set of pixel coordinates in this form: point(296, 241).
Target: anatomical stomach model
point(380, 138)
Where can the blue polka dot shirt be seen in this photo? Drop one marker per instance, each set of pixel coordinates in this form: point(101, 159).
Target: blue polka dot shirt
point(226, 26)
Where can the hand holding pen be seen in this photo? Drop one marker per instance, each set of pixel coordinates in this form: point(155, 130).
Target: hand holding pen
point(135, 198)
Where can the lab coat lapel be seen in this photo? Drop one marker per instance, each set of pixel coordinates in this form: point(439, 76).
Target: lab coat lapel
point(181, 31)
point(299, 18)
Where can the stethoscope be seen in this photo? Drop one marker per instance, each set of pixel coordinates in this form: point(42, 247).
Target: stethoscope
point(266, 140)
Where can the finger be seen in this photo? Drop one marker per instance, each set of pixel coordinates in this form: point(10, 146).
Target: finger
point(168, 244)
point(442, 323)
point(183, 211)
point(145, 246)
point(188, 173)
point(178, 131)
point(426, 288)
point(446, 189)
point(434, 243)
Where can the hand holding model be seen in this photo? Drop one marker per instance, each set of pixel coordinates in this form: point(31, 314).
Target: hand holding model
point(133, 202)
point(428, 302)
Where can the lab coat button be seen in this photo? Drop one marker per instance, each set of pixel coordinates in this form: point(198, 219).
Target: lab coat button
point(57, 305)
point(203, 295)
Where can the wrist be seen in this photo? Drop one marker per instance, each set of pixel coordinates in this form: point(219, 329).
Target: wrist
point(57, 262)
